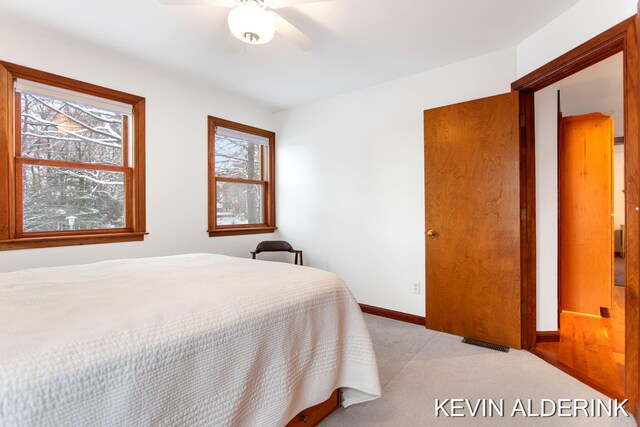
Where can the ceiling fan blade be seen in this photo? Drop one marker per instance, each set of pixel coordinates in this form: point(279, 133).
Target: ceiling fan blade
point(292, 33)
point(233, 45)
point(279, 4)
point(221, 3)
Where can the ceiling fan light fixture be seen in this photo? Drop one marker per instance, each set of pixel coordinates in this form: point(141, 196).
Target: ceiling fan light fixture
point(251, 23)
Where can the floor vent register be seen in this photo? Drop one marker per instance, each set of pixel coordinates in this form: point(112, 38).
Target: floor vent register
point(488, 345)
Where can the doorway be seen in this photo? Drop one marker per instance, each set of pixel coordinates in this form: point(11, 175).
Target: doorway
point(584, 116)
point(517, 125)
point(622, 38)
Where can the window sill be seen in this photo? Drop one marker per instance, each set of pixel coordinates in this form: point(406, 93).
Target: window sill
point(87, 239)
point(239, 231)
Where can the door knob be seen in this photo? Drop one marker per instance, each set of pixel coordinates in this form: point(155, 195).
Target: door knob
point(431, 233)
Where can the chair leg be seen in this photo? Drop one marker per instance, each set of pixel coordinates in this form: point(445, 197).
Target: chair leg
point(295, 261)
point(301, 258)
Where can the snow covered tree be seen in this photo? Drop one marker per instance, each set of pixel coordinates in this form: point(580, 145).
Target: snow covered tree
point(73, 188)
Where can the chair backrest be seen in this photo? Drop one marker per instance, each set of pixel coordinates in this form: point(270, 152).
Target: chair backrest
point(273, 246)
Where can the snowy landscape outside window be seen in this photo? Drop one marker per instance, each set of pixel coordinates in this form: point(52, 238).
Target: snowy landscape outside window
point(72, 163)
point(241, 178)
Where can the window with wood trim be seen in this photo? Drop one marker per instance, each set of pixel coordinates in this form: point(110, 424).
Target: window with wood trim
point(241, 179)
point(72, 157)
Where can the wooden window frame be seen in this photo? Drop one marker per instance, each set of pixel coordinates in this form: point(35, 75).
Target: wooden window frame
point(269, 182)
point(11, 232)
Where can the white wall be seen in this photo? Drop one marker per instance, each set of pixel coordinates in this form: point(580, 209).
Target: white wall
point(176, 149)
point(546, 131)
point(351, 181)
point(585, 20)
point(578, 24)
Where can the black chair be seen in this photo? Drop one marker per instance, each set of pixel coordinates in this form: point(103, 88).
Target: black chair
point(276, 246)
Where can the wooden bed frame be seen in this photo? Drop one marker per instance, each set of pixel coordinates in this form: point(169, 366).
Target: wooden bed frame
point(312, 416)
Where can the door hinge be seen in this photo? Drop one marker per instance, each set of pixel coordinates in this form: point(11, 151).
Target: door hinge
point(522, 120)
point(523, 214)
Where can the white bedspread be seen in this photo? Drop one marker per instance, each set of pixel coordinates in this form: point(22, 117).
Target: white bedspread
point(185, 340)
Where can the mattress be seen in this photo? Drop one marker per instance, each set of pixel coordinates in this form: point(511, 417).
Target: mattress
point(195, 339)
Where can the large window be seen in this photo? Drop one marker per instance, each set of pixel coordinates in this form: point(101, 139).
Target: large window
point(241, 179)
point(74, 157)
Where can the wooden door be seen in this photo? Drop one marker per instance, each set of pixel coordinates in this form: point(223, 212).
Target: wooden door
point(585, 208)
point(472, 207)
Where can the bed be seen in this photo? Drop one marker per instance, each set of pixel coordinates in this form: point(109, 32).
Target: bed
point(196, 339)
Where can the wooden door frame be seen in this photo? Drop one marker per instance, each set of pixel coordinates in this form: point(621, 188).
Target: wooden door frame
point(620, 38)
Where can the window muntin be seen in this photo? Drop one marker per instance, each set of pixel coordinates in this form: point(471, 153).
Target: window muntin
point(241, 178)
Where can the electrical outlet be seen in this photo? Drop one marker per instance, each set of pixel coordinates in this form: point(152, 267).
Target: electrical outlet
point(416, 287)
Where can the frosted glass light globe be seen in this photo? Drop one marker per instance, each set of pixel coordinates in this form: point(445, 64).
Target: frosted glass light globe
point(251, 23)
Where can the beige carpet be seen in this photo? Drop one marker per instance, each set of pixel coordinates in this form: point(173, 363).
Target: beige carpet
point(418, 366)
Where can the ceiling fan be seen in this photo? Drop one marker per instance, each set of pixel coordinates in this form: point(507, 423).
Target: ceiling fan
point(255, 21)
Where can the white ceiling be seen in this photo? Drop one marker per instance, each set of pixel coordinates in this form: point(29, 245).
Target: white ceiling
point(357, 42)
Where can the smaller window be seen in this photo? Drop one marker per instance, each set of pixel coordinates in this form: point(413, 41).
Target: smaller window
point(241, 179)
